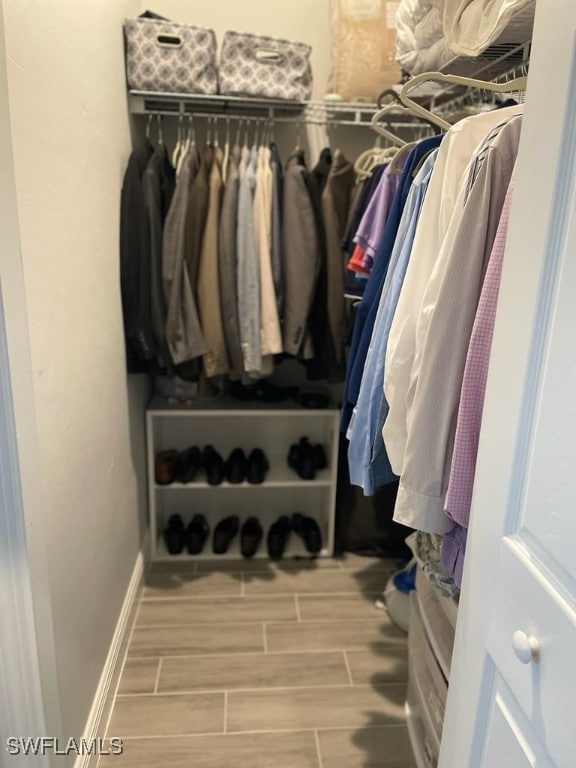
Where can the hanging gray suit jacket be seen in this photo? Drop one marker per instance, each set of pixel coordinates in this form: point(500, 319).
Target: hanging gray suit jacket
point(301, 254)
point(183, 332)
point(228, 264)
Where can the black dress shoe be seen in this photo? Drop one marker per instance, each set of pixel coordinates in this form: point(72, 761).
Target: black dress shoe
point(293, 456)
point(250, 537)
point(301, 459)
point(187, 465)
point(278, 536)
point(236, 467)
point(196, 534)
point(224, 533)
point(258, 466)
point(214, 465)
point(308, 530)
point(319, 456)
point(174, 535)
point(307, 459)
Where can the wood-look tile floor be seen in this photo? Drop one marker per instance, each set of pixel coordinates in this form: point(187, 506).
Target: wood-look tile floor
point(259, 665)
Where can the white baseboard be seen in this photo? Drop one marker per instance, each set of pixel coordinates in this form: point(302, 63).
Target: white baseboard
point(104, 698)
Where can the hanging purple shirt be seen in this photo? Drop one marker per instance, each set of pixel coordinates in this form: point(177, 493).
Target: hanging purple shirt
point(372, 225)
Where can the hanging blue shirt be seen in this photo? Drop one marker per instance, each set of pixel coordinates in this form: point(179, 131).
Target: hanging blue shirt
point(364, 429)
point(368, 308)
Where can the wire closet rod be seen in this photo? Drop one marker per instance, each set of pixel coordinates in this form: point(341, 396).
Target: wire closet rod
point(296, 120)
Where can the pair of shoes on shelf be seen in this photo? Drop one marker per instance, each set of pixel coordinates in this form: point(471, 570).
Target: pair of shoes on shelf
point(250, 535)
point(181, 467)
point(193, 536)
point(214, 465)
point(237, 468)
point(187, 465)
point(252, 468)
point(306, 459)
point(305, 527)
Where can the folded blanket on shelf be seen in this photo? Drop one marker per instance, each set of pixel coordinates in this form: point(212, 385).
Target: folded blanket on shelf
point(430, 33)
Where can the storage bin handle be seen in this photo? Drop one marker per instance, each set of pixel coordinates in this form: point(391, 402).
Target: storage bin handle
point(168, 41)
point(268, 56)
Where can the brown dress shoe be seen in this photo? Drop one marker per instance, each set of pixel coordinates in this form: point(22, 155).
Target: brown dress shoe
point(164, 467)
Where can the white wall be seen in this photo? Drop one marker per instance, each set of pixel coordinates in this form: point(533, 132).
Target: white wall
point(71, 142)
point(306, 21)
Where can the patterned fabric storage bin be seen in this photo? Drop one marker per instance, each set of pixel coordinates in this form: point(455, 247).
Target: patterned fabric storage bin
point(251, 65)
point(162, 56)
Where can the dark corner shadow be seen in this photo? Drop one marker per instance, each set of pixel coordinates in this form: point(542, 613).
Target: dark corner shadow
point(393, 639)
point(171, 575)
point(382, 745)
point(138, 391)
point(394, 654)
point(373, 578)
point(269, 570)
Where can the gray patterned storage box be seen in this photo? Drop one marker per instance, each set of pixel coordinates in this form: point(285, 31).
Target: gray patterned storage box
point(162, 56)
point(251, 65)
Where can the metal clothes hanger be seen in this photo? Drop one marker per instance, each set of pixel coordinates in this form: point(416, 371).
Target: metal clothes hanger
point(518, 84)
point(179, 142)
point(297, 147)
point(239, 131)
point(226, 158)
point(272, 127)
point(159, 127)
point(190, 135)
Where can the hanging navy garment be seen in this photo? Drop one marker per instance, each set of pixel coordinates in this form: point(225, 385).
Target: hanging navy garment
point(368, 308)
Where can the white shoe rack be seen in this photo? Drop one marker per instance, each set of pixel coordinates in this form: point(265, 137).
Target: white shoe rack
point(227, 425)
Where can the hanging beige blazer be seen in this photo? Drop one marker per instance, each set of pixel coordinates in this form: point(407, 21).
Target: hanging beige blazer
point(270, 334)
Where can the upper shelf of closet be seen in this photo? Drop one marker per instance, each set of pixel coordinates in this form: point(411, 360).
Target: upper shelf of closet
point(342, 112)
point(464, 39)
point(491, 64)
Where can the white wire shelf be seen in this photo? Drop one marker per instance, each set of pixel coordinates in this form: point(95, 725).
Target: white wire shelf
point(184, 105)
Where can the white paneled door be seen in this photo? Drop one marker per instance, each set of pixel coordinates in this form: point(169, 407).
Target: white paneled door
point(512, 700)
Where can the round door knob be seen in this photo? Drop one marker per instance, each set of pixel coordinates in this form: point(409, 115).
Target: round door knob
point(526, 647)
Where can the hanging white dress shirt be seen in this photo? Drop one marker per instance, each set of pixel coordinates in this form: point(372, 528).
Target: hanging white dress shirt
point(438, 209)
point(443, 333)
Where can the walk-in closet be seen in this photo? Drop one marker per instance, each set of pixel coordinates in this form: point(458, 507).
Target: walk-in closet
point(287, 355)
